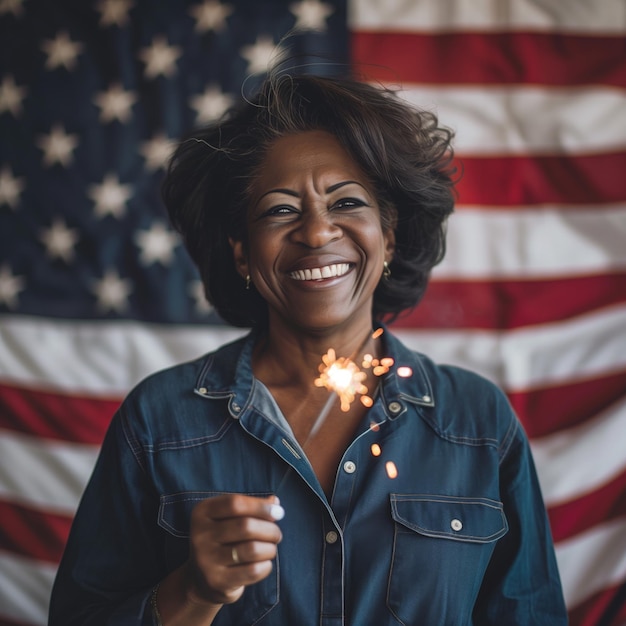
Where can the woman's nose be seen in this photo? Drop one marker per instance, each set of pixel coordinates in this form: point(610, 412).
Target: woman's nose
point(317, 228)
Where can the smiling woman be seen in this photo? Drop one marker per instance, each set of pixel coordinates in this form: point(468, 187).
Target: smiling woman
point(250, 486)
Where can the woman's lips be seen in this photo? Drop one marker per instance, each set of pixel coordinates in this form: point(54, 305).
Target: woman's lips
point(320, 273)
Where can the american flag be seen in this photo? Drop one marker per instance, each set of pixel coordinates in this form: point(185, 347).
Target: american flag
point(96, 290)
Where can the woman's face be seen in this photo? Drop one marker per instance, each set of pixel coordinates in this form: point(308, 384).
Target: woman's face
point(316, 246)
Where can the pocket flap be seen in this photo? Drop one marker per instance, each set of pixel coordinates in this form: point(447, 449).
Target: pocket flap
point(480, 520)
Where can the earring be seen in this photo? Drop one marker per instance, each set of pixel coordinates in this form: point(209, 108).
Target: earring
point(248, 281)
point(386, 271)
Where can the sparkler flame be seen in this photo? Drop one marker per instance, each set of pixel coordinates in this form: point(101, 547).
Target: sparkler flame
point(343, 376)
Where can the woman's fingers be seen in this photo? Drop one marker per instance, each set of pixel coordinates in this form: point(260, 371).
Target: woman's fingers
point(233, 541)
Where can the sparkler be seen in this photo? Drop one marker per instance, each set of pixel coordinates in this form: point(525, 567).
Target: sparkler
point(343, 378)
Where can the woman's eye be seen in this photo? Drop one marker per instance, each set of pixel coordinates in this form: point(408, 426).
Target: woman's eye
point(348, 203)
point(281, 209)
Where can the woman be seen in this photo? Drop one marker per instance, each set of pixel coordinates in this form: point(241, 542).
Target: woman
point(231, 490)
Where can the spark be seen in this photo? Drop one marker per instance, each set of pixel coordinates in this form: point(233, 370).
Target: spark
point(343, 376)
point(392, 470)
point(376, 451)
point(404, 372)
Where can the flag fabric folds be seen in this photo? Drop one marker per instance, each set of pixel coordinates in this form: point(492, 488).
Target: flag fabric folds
point(96, 290)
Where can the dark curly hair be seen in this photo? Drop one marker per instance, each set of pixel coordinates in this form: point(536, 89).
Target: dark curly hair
point(403, 151)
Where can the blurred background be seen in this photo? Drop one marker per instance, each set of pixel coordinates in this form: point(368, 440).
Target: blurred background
point(96, 290)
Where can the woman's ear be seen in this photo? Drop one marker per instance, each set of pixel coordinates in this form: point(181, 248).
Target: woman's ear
point(240, 257)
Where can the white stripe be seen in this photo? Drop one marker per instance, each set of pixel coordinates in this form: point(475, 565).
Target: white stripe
point(534, 243)
point(574, 462)
point(25, 587)
point(574, 16)
point(100, 358)
point(592, 561)
point(521, 120)
point(589, 346)
point(42, 473)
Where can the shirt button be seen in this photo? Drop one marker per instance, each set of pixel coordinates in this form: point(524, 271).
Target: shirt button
point(395, 407)
point(331, 536)
point(202, 390)
point(426, 398)
point(456, 524)
point(236, 407)
point(349, 467)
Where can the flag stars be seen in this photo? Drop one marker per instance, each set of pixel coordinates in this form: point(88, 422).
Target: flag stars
point(196, 291)
point(10, 188)
point(262, 54)
point(59, 241)
point(110, 197)
point(156, 244)
point(115, 104)
point(160, 58)
point(61, 51)
point(11, 96)
point(210, 16)
point(157, 151)
point(58, 146)
point(10, 287)
point(112, 292)
point(114, 12)
point(211, 104)
point(311, 14)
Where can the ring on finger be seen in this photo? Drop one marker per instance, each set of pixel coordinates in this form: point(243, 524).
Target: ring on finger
point(234, 554)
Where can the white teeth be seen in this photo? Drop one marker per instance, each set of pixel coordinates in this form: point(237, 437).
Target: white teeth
point(318, 273)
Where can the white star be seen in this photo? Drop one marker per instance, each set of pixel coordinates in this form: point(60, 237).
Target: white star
point(114, 12)
point(157, 151)
point(160, 58)
point(61, 51)
point(59, 241)
point(10, 286)
point(11, 6)
point(57, 146)
point(196, 291)
point(10, 188)
point(210, 15)
point(11, 96)
point(311, 14)
point(110, 196)
point(211, 104)
point(262, 54)
point(115, 103)
point(157, 244)
point(112, 292)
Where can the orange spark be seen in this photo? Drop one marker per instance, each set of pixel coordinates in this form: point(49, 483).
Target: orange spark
point(392, 470)
point(343, 376)
point(376, 451)
point(377, 333)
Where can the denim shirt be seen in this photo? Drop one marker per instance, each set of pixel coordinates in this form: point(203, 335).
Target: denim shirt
point(458, 537)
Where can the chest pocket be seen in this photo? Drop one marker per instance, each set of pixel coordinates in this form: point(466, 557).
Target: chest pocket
point(258, 599)
point(442, 544)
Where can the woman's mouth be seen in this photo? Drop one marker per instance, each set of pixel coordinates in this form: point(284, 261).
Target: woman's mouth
point(321, 273)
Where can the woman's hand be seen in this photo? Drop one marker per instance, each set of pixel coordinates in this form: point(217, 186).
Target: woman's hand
point(233, 539)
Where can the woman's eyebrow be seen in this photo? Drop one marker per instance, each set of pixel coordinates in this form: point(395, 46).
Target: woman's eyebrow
point(295, 194)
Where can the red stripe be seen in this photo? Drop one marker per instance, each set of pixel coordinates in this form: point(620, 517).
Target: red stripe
point(55, 415)
point(605, 608)
point(551, 409)
point(488, 58)
point(31, 533)
point(599, 506)
point(507, 304)
point(503, 181)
